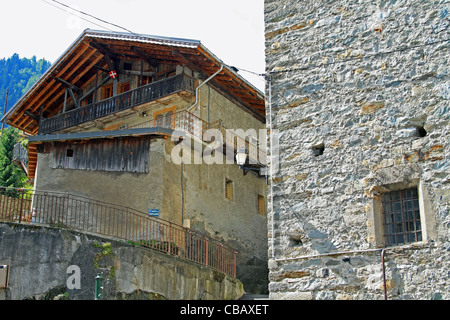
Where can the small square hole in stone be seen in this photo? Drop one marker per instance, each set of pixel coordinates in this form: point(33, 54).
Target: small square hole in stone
point(318, 150)
point(421, 132)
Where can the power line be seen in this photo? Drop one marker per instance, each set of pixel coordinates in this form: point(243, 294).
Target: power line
point(375, 55)
point(339, 61)
point(89, 15)
point(51, 4)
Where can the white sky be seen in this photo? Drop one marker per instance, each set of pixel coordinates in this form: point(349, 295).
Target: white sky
point(231, 29)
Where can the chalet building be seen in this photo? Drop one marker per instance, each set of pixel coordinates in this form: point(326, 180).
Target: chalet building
point(154, 123)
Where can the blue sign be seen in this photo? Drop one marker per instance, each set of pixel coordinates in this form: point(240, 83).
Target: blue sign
point(153, 212)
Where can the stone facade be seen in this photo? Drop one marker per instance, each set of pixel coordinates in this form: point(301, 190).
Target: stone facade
point(359, 96)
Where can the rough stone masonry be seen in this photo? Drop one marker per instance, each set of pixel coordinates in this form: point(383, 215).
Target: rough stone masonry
point(359, 95)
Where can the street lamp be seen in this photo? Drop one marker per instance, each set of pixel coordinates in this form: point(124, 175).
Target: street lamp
point(241, 156)
point(241, 160)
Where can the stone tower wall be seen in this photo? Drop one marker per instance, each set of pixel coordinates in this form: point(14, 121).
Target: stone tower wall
point(360, 101)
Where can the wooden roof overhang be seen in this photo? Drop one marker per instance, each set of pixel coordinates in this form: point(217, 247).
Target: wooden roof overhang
point(97, 50)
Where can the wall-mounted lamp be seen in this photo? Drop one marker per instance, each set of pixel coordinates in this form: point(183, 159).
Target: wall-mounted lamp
point(241, 156)
point(241, 160)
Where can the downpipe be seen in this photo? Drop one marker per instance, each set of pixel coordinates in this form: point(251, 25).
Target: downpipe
point(198, 88)
point(383, 252)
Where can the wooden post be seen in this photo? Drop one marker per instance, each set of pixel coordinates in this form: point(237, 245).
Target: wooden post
point(65, 101)
point(41, 116)
point(141, 75)
point(96, 86)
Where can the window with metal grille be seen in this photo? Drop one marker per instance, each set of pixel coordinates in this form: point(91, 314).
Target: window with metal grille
point(401, 217)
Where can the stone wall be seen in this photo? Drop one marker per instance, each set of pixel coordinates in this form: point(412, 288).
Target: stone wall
point(39, 259)
point(360, 98)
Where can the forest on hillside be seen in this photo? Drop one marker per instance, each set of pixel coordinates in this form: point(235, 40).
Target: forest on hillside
point(18, 75)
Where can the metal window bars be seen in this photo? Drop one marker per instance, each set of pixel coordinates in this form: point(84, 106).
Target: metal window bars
point(401, 217)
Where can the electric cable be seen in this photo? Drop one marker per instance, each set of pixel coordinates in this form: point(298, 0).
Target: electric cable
point(89, 15)
point(375, 55)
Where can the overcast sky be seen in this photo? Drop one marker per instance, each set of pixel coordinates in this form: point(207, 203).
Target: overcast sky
point(232, 29)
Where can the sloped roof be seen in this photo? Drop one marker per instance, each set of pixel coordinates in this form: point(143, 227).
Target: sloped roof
point(78, 66)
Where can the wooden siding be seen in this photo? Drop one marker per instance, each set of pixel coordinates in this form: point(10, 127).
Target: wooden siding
point(115, 155)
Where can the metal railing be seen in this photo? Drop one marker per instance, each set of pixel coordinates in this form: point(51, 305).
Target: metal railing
point(187, 122)
point(129, 99)
point(63, 210)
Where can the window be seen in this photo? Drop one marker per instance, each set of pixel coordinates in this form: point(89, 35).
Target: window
point(261, 205)
point(125, 87)
point(164, 118)
point(69, 153)
point(145, 80)
point(107, 91)
point(228, 189)
point(88, 100)
point(401, 217)
point(127, 66)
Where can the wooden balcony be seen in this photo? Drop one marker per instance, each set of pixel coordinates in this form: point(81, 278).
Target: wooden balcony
point(188, 123)
point(127, 100)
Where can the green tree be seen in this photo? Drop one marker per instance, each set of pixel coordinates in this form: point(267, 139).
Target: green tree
point(11, 175)
point(18, 75)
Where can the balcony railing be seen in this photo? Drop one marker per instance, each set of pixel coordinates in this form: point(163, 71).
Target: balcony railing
point(63, 210)
point(187, 122)
point(129, 99)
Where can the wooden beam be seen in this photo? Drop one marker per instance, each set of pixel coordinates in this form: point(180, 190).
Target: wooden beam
point(52, 84)
point(145, 57)
point(69, 85)
point(109, 56)
point(32, 115)
point(184, 60)
point(58, 84)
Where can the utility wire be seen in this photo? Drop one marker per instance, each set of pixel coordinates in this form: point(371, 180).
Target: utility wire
point(92, 16)
point(51, 4)
point(375, 55)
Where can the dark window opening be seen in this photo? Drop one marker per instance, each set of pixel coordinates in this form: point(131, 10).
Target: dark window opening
point(401, 217)
point(261, 205)
point(318, 150)
point(69, 153)
point(421, 132)
point(228, 189)
point(127, 66)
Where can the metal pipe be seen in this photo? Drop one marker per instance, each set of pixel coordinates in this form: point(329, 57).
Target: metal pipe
point(327, 254)
point(204, 82)
point(271, 168)
point(384, 273)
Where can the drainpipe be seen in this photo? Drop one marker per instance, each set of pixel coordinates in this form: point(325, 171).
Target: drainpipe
point(204, 82)
point(271, 168)
point(384, 273)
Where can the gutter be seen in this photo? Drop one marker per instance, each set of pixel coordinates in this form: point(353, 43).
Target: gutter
point(198, 88)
